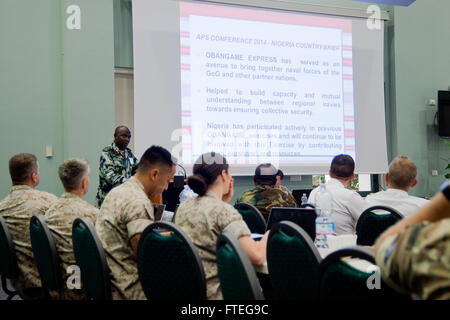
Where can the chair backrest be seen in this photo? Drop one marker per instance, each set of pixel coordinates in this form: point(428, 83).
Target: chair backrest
point(237, 276)
point(45, 256)
point(91, 259)
point(371, 225)
point(338, 280)
point(169, 265)
point(8, 261)
point(293, 262)
point(303, 217)
point(252, 217)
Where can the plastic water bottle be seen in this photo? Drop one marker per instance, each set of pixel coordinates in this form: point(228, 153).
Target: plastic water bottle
point(304, 199)
point(186, 193)
point(324, 222)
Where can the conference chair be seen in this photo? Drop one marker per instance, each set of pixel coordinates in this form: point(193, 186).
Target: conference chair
point(293, 262)
point(46, 257)
point(371, 225)
point(339, 280)
point(252, 217)
point(91, 259)
point(237, 276)
point(169, 266)
point(9, 269)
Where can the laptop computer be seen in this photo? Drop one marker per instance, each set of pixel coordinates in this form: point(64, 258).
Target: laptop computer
point(304, 217)
point(158, 210)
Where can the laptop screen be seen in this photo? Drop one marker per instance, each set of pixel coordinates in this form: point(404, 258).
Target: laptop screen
point(304, 217)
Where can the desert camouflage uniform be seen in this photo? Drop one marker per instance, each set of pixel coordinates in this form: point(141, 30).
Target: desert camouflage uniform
point(17, 208)
point(60, 217)
point(417, 260)
point(116, 167)
point(203, 219)
point(126, 212)
point(266, 197)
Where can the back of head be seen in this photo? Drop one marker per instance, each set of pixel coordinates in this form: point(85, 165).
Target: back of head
point(72, 171)
point(206, 170)
point(342, 167)
point(402, 173)
point(265, 174)
point(153, 157)
point(21, 166)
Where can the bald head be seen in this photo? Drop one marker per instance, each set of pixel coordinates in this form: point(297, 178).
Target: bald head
point(122, 137)
point(402, 173)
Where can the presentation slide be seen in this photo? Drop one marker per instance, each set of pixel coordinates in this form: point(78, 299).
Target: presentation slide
point(265, 88)
point(258, 85)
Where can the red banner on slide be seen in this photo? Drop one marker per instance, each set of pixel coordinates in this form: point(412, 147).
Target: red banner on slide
point(187, 9)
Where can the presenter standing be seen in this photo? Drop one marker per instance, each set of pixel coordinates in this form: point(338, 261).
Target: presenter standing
point(117, 163)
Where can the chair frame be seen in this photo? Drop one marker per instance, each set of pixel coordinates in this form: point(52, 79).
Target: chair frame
point(294, 229)
point(171, 227)
point(101, 252)
point(12, 258)
point(55, 263)
point(14, 269)
point(354, 251)
point(370, 210)
point(249, 270)
point(245, 205)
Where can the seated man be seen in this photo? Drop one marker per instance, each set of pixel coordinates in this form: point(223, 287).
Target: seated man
point(124, 215)
point(23, 202)
point(265, 195)
point(401, 177)
point(75, 176)
point(347, 205)
point(413, 255)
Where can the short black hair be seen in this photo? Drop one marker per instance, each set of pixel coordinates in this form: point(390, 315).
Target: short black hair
point(153, 156)
point(265, 174)
point(342, 166)
point(116, 131)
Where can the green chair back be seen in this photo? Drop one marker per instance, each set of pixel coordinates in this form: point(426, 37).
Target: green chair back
point(169, 265)
point(237, 276)
point(371, 225)
point(8, 262)
point(339, 280)
point(91, 259)
point(293, 262)
point(45, 256)
point(252, 217)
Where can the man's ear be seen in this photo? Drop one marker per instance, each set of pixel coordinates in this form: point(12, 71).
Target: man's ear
point(34, 178)
point(85, 184)
point(414, 183)
point(153, 174)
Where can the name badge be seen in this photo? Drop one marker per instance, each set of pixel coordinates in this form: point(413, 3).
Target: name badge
point(131, 161)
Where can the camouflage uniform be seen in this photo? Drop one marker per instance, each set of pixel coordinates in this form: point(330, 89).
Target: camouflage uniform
point(60, 217)
point(203, 219)
point(116, 167)
point(266, 197)
point(126, 212)
point(417, 260)
point(17, 208)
